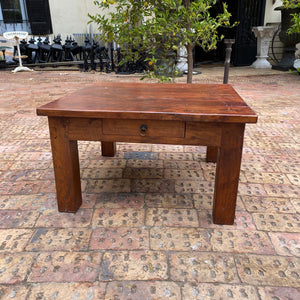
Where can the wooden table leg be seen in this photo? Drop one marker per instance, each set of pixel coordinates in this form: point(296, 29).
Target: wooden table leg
point(66, 167)
point(227, 173)
point(212, 154)
point(108, 148)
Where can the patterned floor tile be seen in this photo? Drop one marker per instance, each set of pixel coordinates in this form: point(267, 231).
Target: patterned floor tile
point(8, 156)
point(14, 240)
point(269, 270)
point(152, 186)
point(73, 239)
point(289, 168)
point(201, 156)
point(182, 165)
point(296, 204)
point(184, 174)
point(167, 148)
point(250, 158)
point(127, 147)
point(294, 178)
point(86, 155)
point(5, 165)
point(286, 243)
point(134, 265)
point(210, 174)
point(168, 200)
point(277, 222)
point(241, 241)
point(200, 291)
point(142, 173)
point(141, 155)
point(21, 175)
point(171, 217)
point(181, 156)
point(279, 160)
point(65, 267)
point(150, 290)
point(63, 291)
point(243, 220)
point(20, 187)
point(26, 202)
point(202, 267)
point(14, 267)
point(88, 200)
point(279, 293)
point(108, 185)
point(119, 239)
point(18, 292)
point(180, 239)
point(54, 218)
point(139, 163)
point(105, 217)
point(205, 201)
point(103, 163)
point(259, 167)
point(102, 173)
point(31, 165)
point(35, 155)
point(18, 218)
point(275, 178)
point(120, 200)
point(252, 189)
point(40, 145)
point(189, 186)
point(282, 190)
point(195, 149)
point(268, 204)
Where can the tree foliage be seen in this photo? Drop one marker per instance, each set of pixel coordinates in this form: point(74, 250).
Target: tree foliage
point(295, 28)
point(146, 26)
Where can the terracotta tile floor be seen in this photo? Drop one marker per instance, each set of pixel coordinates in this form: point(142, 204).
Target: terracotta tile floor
point(144, 230)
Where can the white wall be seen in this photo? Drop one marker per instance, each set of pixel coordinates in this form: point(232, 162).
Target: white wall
point(69, 16)
point(271, 15)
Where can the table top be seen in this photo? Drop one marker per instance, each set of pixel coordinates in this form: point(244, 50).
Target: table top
point(156, 101)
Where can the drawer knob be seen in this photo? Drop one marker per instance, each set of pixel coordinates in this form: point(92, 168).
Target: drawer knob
point(143, 129)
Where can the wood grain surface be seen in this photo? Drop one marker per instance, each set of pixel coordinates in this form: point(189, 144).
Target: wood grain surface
point(187, 102)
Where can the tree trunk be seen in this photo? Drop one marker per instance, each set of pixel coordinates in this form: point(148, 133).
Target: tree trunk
point(190, 61)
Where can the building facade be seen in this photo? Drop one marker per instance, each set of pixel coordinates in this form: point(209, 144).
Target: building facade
point(68, 17)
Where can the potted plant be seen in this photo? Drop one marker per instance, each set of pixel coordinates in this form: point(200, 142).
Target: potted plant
point(290, 32)
point(295, 28)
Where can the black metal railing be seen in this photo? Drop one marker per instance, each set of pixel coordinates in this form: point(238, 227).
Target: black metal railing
point(91, 55)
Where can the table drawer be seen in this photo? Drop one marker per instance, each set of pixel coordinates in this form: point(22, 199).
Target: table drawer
point(150, 128)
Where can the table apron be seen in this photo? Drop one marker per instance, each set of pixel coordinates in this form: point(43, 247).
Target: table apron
point(159, 132)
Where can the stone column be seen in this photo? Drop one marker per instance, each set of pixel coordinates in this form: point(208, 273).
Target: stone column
point(264, 36)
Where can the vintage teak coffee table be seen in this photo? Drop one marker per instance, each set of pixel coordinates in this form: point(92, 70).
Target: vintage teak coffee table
point(212, 115)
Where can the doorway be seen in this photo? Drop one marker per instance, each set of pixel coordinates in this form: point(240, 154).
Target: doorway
point(248, 13)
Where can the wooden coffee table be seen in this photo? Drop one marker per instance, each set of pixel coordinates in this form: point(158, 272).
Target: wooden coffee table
point(212, 115)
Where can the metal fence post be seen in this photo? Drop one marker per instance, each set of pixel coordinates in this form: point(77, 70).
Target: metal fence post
point(228, 43)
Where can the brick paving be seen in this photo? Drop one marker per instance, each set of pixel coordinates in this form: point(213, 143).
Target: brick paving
point(144, 230)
